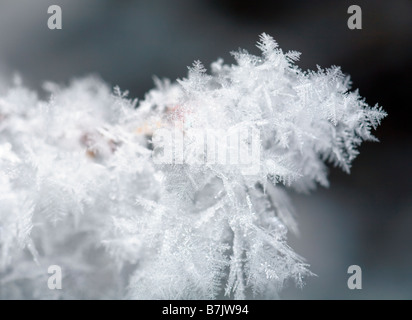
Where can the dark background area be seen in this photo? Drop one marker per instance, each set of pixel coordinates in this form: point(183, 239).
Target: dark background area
point(364, 218)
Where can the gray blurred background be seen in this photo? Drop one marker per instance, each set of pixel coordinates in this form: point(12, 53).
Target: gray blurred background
point(364, 218)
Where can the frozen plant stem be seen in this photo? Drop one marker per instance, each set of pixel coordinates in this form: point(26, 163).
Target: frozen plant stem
point(85, 183)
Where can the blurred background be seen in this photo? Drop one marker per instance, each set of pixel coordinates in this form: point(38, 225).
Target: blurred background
point(364, 218)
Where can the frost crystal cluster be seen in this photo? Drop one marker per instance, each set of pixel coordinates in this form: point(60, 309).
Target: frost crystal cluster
point(82, 186)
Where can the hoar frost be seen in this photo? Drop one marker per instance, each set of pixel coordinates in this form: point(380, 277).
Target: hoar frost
point(80, 186)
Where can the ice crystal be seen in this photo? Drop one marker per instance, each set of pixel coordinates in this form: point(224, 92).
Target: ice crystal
point(88, 180)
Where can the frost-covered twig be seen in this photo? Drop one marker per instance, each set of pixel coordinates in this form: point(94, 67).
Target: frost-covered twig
point(86, 182)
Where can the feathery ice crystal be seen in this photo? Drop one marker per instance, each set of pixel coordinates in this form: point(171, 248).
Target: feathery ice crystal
point(80, 186)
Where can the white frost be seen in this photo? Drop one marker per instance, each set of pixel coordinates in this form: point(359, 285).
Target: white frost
point(79, 186)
